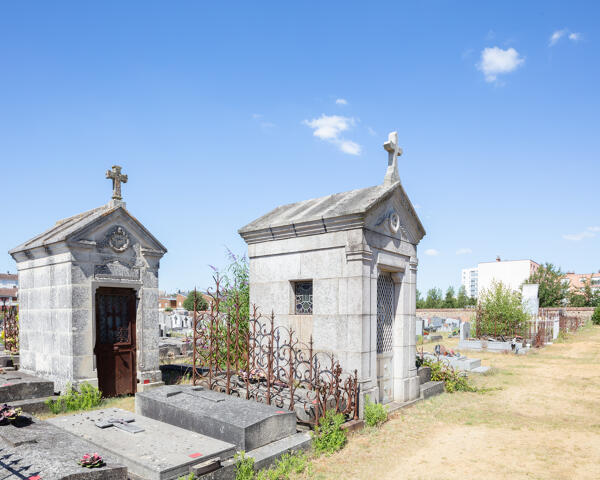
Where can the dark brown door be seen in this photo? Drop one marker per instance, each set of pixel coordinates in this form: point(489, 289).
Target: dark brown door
point(115, 341)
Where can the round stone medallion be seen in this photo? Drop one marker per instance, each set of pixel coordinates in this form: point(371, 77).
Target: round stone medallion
point(119, 240)
point(394, 222)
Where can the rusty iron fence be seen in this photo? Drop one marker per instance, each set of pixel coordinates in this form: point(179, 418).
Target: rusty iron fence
point(256, 359)
point(10, 324)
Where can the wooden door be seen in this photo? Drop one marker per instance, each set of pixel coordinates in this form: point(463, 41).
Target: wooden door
point(115, 341)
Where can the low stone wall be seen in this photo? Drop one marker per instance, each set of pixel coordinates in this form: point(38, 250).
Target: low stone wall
point(583, 313)
point(462, 314)
point(468, 314)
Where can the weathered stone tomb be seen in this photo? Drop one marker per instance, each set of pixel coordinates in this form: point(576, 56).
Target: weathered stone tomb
point(88, 296)
point(342, 270)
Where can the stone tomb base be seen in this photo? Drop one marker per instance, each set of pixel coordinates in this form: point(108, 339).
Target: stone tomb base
point(41, 450)
point(245, 423)
point(159, 452)
point(15, 385)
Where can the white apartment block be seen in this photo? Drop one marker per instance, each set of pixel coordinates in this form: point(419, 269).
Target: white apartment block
point(512, 273)
point(470, 281)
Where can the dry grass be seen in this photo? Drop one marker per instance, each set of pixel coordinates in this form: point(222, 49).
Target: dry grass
point(540, 422)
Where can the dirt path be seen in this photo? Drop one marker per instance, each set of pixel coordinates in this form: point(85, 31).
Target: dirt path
point(541, 422)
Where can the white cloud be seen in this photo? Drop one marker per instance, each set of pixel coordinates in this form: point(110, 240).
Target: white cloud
point(432, 252)
point(417, 206)
point(350, 147)
point(495, 61)
point(556, 36)
point(589, 232)
point(341, 101)
point(464, 251)
point(372, 132)
point(330, 127)
point(263, 123)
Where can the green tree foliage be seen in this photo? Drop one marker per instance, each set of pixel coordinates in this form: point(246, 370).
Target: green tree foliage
point(188, 303)
point(235, 282)
point(449, 300)
point(434, 298)
point(553, 291)
point(420, 300)
point(500, 312)
point(596, 316)
point(462, 300)
point(589, 297)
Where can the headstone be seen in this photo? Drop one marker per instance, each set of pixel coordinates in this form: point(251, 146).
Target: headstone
point(245, 423)
point(74, 279)
point(529, 299)
point(159, 452)
point(40, 450)
point(465, 331)
point(419, 329)
point(341, 270)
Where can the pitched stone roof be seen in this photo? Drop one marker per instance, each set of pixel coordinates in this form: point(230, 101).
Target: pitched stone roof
point(313, 216)
point(63, 229)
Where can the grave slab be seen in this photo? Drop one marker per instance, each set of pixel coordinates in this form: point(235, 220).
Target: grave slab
point(39, 450)
point(245, 423)
point(15, 385)
point(158, 452)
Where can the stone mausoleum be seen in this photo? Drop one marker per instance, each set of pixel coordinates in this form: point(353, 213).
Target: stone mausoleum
point(88, 299)
point(342, 269)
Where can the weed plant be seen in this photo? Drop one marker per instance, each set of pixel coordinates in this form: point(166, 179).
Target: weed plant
point(453, 380)
point(329, 436)
point(87, 398)
point(375, 413)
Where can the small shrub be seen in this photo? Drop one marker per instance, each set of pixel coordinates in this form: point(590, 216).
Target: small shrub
point(189, 476)
point(453, 380)
point(86, 398)
point(375, 413)
point(244, 467)
point(329, 436)
point(596, 316)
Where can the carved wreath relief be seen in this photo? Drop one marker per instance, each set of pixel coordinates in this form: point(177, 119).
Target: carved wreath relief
point(118, 239)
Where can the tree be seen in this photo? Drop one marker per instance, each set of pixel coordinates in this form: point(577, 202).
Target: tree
point(553, 292)
point(420, 300)
point(434, 298)
point(450, 301)
point(188, 303)
point(500, 312)
point(596, 316)
point(462, 300)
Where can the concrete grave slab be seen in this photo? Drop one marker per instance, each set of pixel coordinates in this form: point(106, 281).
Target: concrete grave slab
point(15, 385)
point(43, 451)
point(245, 423)
point(158, 452)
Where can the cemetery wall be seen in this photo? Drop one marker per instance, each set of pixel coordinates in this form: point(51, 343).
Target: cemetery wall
point(463, 314)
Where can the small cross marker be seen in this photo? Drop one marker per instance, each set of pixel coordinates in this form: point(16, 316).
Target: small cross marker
point(117, 177)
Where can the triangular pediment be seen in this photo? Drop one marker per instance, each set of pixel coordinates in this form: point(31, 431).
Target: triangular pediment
point(115, 232)
point(393, 215)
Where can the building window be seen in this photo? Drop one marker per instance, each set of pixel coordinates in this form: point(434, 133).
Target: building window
point(303, 292)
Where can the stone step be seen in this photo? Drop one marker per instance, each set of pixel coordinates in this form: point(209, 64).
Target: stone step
point(480, 369)
point(264, 457)
point(430, 389)
point(34, 405)
point(15, 385)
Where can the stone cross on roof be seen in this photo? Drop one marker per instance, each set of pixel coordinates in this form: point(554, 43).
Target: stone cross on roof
point(394, 151)
point(117, 177)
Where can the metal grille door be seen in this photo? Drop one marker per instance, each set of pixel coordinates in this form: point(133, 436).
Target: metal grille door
point(385, 312)
point(385, 329)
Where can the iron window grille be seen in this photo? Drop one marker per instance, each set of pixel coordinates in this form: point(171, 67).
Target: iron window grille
point(304, 297)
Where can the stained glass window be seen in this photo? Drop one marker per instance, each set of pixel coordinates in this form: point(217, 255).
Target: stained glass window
point(304, 297)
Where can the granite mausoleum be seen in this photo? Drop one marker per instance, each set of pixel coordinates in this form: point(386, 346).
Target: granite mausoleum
point(89, 300)
point(342, 270)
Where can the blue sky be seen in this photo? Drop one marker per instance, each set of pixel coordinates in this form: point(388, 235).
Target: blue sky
point(220, 111)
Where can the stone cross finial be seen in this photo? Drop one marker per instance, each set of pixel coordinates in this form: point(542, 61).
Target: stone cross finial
point(117, 177)
point(394, 151)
